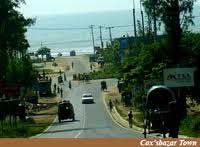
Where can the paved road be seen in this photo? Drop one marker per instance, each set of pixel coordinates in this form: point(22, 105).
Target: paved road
point(92, 120)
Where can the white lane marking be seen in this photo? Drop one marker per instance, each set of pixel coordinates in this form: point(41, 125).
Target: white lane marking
point(84, 120)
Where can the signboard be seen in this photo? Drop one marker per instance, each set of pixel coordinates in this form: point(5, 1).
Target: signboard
point(123, 45)
point(179, 77)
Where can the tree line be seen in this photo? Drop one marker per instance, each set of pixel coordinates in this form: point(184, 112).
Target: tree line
point(149, 53)
point(15, 66)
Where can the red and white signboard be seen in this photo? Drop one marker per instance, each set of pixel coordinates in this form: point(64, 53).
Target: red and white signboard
point(179, 77)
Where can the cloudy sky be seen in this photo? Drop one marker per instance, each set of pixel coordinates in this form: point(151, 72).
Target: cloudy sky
point(46, 7)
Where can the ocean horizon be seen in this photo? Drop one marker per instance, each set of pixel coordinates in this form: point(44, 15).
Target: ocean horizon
point(65, 32)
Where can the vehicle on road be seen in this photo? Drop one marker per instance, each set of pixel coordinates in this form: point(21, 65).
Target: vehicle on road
point(103, 85)
point(101, 61)
point(158, 114)
point(73, 53)
point(65, 111)
point(87, 98)
point(60, 79)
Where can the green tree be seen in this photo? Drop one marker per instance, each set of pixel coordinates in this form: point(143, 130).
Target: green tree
point(13, 27)
point(43, 51)
point(176, 16)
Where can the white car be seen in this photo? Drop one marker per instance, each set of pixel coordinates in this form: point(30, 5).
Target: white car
point(87, 98)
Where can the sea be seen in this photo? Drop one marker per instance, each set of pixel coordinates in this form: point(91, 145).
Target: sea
point(65, 32)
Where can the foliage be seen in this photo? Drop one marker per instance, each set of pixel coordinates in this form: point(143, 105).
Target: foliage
point(13, 27)
point(191, 126)
point(43, 51)
point(19, 71)
point(108, 71)
point(176, 16)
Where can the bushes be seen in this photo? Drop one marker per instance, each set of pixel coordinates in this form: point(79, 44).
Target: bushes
point(108, 71)
point(191, 126)
point(19, 71)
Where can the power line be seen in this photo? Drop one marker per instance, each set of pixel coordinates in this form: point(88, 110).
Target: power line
point(61, 29)
point(56, 29)
point(64, 42)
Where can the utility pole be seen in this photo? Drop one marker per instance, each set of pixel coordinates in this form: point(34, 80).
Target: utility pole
point(92, 31)
point(142, 15)
point(110, 33)
point(41, 44)
point(154, 19)
point(101, 38)
point(134, 19)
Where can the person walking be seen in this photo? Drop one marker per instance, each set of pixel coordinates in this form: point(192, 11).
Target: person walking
point(54, 88)
point(61, 92)
point(70, 85)
point(130, 119)
point(72, 65)
point(65, 78)
point(110, 105)
point(90, 66)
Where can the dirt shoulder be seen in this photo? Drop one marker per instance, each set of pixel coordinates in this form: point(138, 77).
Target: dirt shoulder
point(119, 112)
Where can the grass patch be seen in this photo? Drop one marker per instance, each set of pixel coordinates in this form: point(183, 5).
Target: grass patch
point(191, 126)
point(108, 71)
point(38, 121)
point(11, 128)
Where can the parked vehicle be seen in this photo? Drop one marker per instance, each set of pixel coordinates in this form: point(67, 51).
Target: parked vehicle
point(65, 111)
point(44, 87)
point(157, 110)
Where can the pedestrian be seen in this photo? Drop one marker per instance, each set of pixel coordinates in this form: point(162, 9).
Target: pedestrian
point(90, 66)
point(130, 119)
point(54, 88)
point(60, 72)
point(65, 78)
point(110, 105)
point(58, 90)
point(70, 85)
point(61, 92)
point(72, 65)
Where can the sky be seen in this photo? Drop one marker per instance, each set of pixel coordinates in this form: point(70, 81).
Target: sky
point(48, 7)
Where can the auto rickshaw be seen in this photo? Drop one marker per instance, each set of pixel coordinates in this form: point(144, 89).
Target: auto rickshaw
point(103, 85)
point(157, 110)
point(60, 79)
point(65, 111)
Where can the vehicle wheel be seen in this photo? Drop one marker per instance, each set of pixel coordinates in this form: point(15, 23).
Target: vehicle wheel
point(59, 120)
point(145, 128)
point(163, 128)
point(73, 119)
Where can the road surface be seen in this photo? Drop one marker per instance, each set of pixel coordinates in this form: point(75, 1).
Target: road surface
point(92, 120)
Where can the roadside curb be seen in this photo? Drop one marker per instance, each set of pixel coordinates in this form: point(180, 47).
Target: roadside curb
point(120, 121)
point(117, 118)
point(49, 127)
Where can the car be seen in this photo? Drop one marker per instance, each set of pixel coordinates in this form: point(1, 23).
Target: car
point(87, 98)
point(73, 53)
point(65, 111)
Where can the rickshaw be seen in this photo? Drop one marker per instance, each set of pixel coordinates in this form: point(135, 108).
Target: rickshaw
point(60, 79)
point(157, 110)
point(65, 111)
point(103, 85)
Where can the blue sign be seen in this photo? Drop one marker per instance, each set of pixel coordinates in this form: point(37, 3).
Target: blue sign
point(123, 45)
